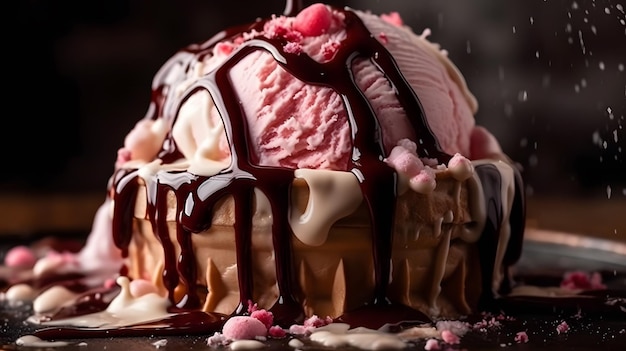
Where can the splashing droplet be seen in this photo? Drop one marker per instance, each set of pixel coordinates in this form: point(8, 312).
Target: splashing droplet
point(523, 95)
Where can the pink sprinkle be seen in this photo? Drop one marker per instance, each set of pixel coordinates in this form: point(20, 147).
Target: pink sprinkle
point(432, 344)
point(521, 337)
point(252, 306)
point(313, 20)
point(449, 337)
point(293, 48)
point(20, 256)
point(329, 49)
point(277, 332)
point(267, 318)
point(293, 36)
point(562, 328)
point(297, 329)
point(224, 48)
point(392, 18)
point(275, 28)
point(582, 280)
point(316, 322)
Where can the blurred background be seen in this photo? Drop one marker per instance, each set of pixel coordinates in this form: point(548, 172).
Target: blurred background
point(549, 76)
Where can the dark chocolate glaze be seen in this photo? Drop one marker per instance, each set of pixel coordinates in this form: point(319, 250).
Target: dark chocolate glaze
point(197, 195)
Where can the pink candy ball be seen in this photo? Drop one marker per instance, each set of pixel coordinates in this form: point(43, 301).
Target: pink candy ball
point(243, 328)
point(313, 20)
point(20, 256)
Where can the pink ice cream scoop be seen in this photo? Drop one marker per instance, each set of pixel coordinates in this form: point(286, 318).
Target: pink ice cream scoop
point(295, 124)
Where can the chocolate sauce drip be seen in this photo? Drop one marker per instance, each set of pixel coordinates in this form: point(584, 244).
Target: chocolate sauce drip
point(197, 195)
point(125, 185)
point(491, 181)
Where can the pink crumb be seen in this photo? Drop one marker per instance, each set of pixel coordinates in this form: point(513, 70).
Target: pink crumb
point(252, 306)
point(313, 20)
point(277, 332)
point(582, 280)
point(20, 256)
point(224, 48)
point(316, 322)
point(293, 48)
point(243, 328)
point(298, 329)
point(329, 49)
point(562, 328)
point(432, 344)
point(521, 337)
point(266, 317)
point(449, 337)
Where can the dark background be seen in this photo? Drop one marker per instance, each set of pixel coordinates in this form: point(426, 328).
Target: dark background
point(549, 77)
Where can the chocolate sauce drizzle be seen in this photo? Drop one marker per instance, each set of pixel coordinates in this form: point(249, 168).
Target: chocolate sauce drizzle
point(197, 195)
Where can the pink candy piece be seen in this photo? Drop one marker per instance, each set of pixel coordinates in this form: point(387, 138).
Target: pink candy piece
point(582, 280)
point(449, 337)
point(20, 256)
point(521, 337)
point(266, 317)
point(562, 328)
point(277, 332)
point(313, 20)
point(244, 328)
